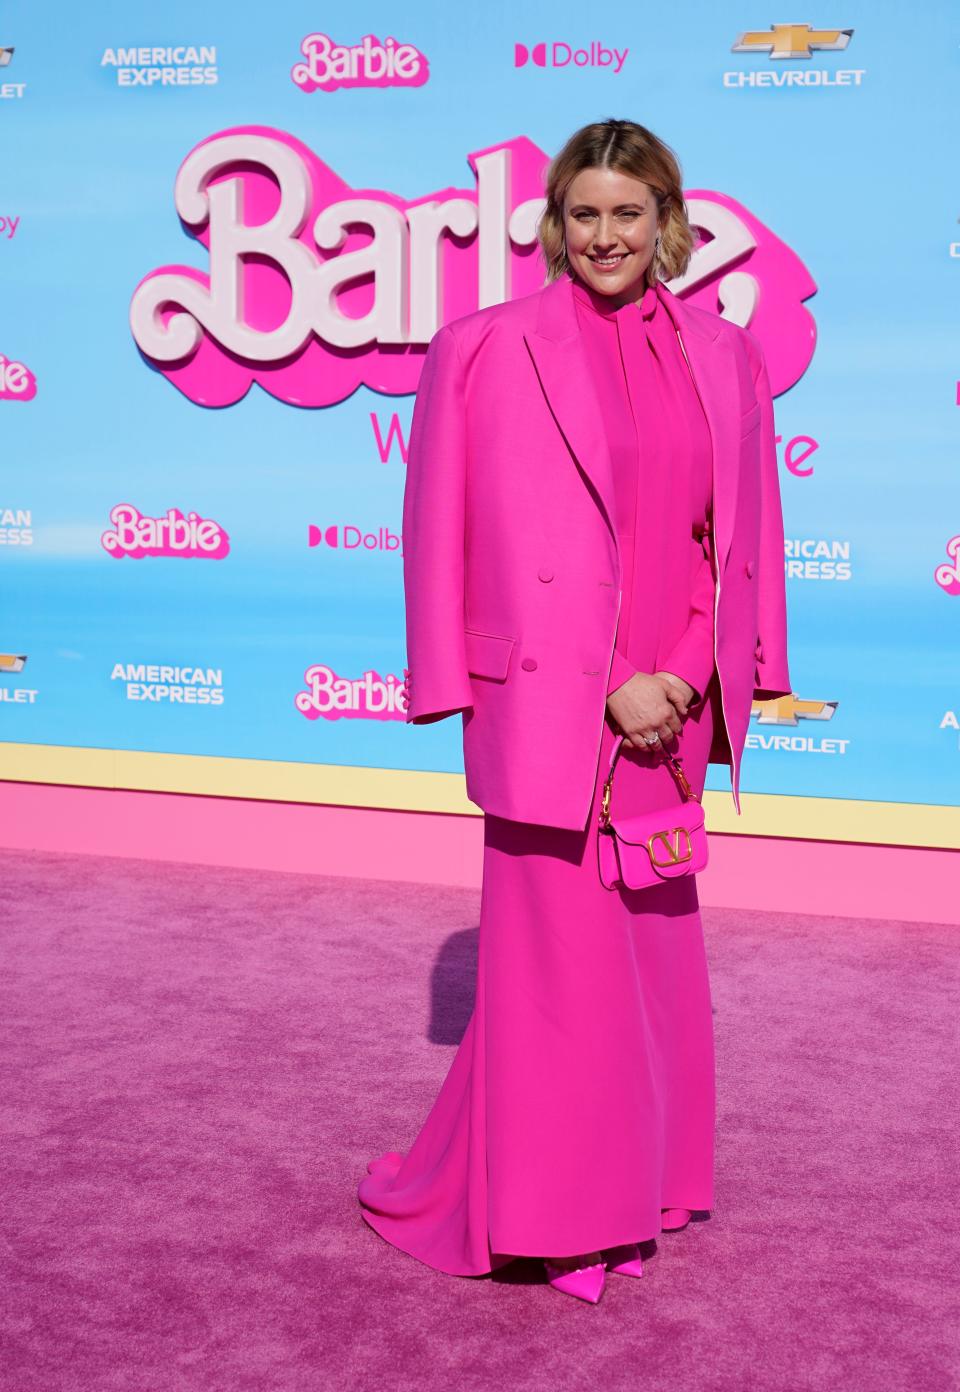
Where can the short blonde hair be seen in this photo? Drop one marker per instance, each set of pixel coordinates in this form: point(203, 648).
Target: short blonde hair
point(634, 150)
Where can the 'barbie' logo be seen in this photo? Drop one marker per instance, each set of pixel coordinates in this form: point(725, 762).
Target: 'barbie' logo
point(369, 63)
point(174, 535)
point(370, 697)
point(314, 290)
point(947, 575)
point(17, 383)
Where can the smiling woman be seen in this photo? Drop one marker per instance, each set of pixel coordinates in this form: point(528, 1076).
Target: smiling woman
point(585, 465)
point(615, 230)
point(610, 228)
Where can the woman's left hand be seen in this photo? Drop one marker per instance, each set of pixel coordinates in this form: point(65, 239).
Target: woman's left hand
point(677, 689)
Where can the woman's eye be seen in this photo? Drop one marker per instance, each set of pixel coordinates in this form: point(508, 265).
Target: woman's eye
point(630, 214)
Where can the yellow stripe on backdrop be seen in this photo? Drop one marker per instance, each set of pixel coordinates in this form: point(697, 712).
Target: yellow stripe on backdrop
point(808, 819)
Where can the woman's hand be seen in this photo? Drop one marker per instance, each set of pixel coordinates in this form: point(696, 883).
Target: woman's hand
point(650, 704)
point(677, 687)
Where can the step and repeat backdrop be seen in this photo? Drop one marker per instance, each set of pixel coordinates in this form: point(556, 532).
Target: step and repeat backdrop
point(225, 242)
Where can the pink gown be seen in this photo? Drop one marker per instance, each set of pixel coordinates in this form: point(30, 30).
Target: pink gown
point(580, 1101)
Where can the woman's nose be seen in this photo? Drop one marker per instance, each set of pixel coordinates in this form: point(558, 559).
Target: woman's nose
point(605, 237)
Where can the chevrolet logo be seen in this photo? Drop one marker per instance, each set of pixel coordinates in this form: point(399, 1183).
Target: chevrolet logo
point(5, 55)
point(788, 710)
point(791, 40)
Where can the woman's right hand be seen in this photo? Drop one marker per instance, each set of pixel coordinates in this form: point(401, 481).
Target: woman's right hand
point(641, 707)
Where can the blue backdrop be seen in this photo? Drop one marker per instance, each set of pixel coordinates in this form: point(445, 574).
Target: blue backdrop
point(847, 162)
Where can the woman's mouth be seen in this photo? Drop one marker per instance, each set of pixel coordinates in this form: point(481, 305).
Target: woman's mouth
point(609, 263)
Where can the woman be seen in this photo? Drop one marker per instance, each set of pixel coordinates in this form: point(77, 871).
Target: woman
point(593, 548)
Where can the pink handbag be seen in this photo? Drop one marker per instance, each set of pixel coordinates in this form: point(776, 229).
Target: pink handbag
point(651, 847)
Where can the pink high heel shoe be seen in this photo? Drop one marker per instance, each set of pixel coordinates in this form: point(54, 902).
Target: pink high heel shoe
point(625, 1260)
point(674, 1219)
point(586, 1282)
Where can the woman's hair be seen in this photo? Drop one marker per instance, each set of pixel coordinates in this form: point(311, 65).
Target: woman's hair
point(631, 149)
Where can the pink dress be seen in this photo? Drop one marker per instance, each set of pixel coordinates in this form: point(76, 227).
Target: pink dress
point(580, 1101)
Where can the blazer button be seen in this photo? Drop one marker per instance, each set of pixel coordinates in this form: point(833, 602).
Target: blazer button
point(545, 574)
point(749, 567)
point(529, 664)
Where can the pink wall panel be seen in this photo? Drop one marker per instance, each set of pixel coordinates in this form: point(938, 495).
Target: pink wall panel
point(817, 877)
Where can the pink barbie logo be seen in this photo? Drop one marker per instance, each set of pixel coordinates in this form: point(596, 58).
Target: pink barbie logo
point(561, 55)
point(352, 539)
point(947, 575)
point(174, 535)
point(369, 63)
point(17, 383)
point(315, 289)
point(370, 697)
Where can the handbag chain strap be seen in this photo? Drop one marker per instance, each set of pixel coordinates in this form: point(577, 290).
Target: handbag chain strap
point(676, 768)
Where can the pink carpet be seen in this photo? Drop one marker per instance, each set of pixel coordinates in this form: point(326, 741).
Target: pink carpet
point(198, 1063)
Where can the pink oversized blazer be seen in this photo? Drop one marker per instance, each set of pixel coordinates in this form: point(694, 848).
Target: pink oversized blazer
point(512, 576)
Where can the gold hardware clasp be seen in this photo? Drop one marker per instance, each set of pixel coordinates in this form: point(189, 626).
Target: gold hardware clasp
point(605, 803)
point(676, 852)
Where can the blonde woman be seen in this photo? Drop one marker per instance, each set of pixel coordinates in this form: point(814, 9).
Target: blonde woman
point(593, 548)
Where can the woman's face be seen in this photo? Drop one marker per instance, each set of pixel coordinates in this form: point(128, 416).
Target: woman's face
point(610, 225)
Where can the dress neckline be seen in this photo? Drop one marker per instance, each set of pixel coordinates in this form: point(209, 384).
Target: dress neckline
point(600, 303)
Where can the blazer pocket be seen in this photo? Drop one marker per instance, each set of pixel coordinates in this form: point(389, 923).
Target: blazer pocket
point(488, 654)
point(750, 420)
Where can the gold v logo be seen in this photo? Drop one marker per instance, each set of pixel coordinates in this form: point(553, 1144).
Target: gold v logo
point(670, 846)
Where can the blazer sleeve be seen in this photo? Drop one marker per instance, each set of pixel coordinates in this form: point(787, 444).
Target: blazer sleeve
point(772, 677)
point(436, 680)
point(621, 670)
point(691, 657)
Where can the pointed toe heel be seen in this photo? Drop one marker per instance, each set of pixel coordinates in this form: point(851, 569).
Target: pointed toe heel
point(674, 1219)
point(585, 1282)
point(625, 1261)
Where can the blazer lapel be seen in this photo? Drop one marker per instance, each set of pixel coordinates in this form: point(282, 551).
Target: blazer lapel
point(714, 372)
point(558, 355)
point(556, 348)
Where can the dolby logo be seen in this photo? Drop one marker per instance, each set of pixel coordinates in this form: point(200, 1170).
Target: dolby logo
point(344, 537)
point(557, 54)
